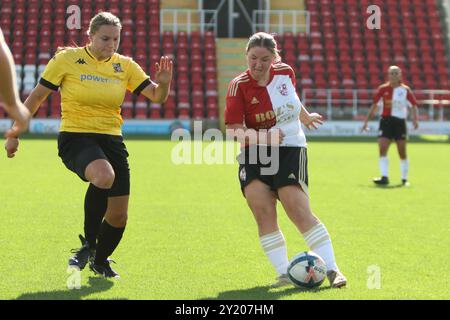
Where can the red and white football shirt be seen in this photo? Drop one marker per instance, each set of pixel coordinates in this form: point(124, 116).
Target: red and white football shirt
point(275, 105)
point(394, 101)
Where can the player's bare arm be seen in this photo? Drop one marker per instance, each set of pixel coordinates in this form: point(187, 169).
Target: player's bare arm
point(310, 120)
point(32, 103)
point(159, 91)
point(371, 113)
point(415, 116)
point(8, 89)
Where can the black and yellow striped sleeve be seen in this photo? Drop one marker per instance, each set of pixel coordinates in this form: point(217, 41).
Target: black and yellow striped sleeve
point(137, 79)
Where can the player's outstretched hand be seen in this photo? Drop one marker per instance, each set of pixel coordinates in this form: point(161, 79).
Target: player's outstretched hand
point(163, 70)
point(365, 127)
point(314, 120)
point(21, 116)
point(11, 146)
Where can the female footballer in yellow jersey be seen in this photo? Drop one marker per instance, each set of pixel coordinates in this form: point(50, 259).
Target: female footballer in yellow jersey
point(93, 81)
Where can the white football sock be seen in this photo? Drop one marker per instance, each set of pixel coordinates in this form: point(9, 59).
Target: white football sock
point(274, 247)
point(384, 166)
point(318, 240)
point(404, 168)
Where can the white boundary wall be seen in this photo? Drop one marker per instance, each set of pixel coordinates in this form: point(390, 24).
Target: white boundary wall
point(155, 127)
point(353, 128)
point(329, 128)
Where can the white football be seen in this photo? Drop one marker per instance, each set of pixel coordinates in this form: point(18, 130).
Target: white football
point(307, 269)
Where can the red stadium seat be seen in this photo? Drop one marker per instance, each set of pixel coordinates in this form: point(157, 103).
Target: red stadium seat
point(55, 111)
point(127, 106)
point(442, 70)
point(320, 81)
point(169, 113)
point(141, 107)
point(197, 112)
point(43, 110)
point(212, 112)
point(430, 81)
point(337, 44)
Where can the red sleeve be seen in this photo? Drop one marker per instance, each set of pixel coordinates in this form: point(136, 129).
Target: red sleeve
point(411, 98)
point(235, 104)
point(378, 96)
point(292, 76)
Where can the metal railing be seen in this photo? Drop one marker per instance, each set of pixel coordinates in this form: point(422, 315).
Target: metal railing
point(188, 20)
point(347, 103)
point(281, 21)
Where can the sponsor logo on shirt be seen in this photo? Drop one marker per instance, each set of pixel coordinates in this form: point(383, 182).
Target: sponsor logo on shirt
point(254, 101)
point(284, 113)
point(91, 77)
point(81, 61)
point(261, 117)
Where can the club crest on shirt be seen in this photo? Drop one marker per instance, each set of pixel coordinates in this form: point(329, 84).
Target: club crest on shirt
point(117, 67)
point(283, 89)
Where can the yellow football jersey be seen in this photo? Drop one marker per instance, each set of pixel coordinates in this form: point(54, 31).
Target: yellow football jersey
point(92, 91)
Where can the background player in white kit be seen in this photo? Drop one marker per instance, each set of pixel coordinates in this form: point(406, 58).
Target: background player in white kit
point(265, 97)
point(394, 98)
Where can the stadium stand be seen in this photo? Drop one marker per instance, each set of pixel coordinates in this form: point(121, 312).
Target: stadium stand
point(340, 47)
point(339, 53)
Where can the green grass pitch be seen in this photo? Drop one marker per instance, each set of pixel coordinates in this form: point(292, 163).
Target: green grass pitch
point(190, 234)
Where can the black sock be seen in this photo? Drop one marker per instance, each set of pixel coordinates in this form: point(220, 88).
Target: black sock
point(95, 204)
point(108, 240)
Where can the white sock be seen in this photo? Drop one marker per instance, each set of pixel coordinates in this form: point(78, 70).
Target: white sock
point(384, 166)
point(318, 240)
point(404, 168)
point(274, 247)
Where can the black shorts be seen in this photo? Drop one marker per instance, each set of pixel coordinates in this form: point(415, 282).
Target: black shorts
point(77, 150)
point(292, 167)
point(393, 128)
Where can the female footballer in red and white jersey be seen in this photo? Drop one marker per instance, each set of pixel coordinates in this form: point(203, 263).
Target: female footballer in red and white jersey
point(394, 98)
point(265, 97)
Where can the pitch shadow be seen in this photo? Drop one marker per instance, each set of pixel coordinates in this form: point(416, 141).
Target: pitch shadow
point(263, 293)
point(390, 186)
point(95, 285)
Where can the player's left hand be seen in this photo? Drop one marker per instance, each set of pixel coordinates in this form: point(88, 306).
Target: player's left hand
point(21, 116)
point(163, 70)
point(415, 125)
point(313, 120)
